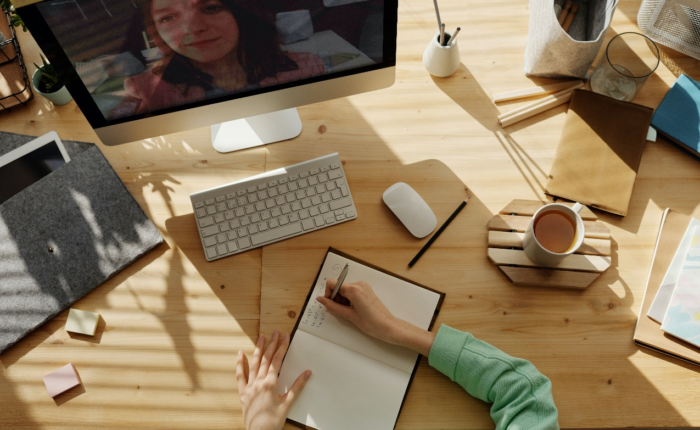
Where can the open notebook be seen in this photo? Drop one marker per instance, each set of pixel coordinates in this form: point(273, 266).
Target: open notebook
point(358, 382)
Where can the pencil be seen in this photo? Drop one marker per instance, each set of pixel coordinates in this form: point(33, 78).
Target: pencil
point(437, 12)
point(454, 36)
point(437, 234)
point(442, 35)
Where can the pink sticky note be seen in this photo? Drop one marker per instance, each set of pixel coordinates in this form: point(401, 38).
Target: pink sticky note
point(61, 380)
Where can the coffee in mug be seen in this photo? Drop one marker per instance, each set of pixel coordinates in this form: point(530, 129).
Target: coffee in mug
point(555, 231)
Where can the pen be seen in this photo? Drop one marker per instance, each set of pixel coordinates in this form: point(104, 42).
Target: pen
point(341, 278)
point(454, 36)
point(442, 228)
point(437, 12)
point(442, 35)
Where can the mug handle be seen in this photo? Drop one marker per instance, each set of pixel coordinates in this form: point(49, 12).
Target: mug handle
point(577, 207)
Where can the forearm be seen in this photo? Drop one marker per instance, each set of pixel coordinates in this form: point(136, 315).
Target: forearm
point(408, 335)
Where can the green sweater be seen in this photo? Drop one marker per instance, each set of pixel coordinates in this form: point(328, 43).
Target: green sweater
point(521, 396)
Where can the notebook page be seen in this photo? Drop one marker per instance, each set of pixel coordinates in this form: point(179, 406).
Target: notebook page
point(404, 300)
point(347, 391)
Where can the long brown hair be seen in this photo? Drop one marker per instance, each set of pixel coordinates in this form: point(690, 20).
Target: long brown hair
point(258, 50)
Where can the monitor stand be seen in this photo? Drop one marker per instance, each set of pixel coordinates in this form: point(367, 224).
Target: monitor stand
point(256, 130)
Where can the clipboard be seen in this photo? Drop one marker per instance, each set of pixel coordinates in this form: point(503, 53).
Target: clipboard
point(63, 236)
point(379, 269)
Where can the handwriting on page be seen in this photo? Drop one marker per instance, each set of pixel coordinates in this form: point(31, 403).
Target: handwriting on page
point(315, 312)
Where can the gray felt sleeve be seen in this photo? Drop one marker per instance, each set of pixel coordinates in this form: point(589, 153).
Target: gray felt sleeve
point(551, 52)
point(85, 214)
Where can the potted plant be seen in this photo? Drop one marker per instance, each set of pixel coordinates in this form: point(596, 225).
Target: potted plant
point(46, 82)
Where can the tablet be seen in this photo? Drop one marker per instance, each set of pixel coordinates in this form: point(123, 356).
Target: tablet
point(30, 162)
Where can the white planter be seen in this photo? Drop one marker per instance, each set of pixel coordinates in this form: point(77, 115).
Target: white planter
point(58, 98)
point(441, 61)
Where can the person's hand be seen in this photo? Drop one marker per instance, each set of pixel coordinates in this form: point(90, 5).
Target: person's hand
point(263, 408)
point(357, 303)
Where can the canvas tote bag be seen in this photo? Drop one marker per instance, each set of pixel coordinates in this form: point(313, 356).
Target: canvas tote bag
point(553, 53)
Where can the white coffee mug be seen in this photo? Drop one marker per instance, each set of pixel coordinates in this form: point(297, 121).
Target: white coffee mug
point(539, 254)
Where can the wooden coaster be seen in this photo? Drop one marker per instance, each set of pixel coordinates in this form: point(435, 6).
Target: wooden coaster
point(579, 270)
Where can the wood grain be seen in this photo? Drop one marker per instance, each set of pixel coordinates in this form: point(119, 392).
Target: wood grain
point(166, 357)
point(504, 239)
point(528, 277)
point(516, 257)
point(529, 207)
point(499, 222)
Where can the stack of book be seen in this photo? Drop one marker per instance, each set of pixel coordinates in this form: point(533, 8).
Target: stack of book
point(669, 320)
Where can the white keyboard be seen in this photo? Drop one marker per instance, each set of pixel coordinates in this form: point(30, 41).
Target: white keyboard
point(273, 206)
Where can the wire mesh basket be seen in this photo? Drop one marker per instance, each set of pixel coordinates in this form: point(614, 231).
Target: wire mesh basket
point(15, 89)
point(672, 23)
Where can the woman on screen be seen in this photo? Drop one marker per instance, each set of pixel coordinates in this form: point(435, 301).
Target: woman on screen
point(210, 48)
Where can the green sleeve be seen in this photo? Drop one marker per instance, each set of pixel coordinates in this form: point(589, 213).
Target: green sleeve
point(521, 395)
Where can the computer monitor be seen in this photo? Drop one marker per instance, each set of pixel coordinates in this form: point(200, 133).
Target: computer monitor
point(144, 68)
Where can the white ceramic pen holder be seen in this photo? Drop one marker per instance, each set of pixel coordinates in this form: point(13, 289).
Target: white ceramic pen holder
point(441, 61)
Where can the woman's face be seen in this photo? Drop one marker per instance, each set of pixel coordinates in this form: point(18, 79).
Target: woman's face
point(202, 30)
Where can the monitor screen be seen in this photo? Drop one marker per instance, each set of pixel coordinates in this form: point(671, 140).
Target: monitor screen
point(24, 171)
point(140, 58)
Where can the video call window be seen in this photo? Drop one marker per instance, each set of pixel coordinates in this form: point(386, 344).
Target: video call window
point(139, 57)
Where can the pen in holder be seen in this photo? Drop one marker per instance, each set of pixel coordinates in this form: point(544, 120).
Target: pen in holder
point(441, 60)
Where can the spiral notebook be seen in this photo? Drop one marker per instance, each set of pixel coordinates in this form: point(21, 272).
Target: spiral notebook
point(358, 382)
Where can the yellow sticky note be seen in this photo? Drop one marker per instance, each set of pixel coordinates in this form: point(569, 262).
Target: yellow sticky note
point(82, 322)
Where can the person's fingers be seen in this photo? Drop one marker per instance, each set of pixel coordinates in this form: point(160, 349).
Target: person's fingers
point(267, 357)
point(279, 356)
point(240, 372)
point(255, 361)
point(330, 286)
point(336, 308)
point(296, 388)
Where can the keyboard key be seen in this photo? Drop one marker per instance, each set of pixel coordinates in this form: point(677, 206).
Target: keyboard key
point(296, 206)
point(244, 221)
point(255, 218)
point(262, 226)
point(272, 192)
point(210, 231)
point(290, 197)
point(220, 199)
point(292, 186)
point(303, 214)
point(274, 223)
point(305, 203)
point(337, 204)
point(294, 178)
point(252, 189)
point(249, 209)
point(262, 195)
point(324, 208)
point(325, 197)
point(201, 213)
point(313, 180)
point(211, 210)
point(224, 227)
point(221, 207)
point(231, 204)
point(209, 201)
point(230, 195)
point(243, 243)
point(335, 174)
point(313, 211)
point(303, 183)
point(336, 194)
point(232, 234)
point(283, 220)
point(240, 212)
point(240, 193)
point(252, 198)
point(311, 191)
point(253, 228)
point(340, 182)
point(325, 168)
point(300, 194)
point(229, 215)
point(242, 232)
point(335, 166)
point(219, 218)
point(261, 206)
point(315, 200)
point(262, 186)
point(276, 212)
point(315, 171)
point(221, 238)
point(283, 189)
point(222, 249)
point(320, 188)
point(199, 205)
point(232, 246)
point(280, 200)
point(329, 218)
point(265, 215)
point(206, 222)
point(322, 177)
point(330, 186)
point(304, 175)
point(340, 217)
point(272, 184)
point(349, 213)
point(307, 224)
point(283, 181)
point(344, 190)
point(242, 201)
point(269, 203)
point(209, 241)
point(277, 233)
point(293, 217)
point(234, 223)
point(318, 220)
point(211, 252)
point(286, 209)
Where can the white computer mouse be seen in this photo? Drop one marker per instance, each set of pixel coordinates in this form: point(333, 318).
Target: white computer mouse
point(410, 208)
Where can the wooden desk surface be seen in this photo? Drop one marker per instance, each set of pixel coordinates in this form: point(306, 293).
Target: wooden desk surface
point(165, 355)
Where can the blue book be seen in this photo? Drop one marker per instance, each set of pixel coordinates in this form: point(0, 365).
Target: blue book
point(678, 115)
